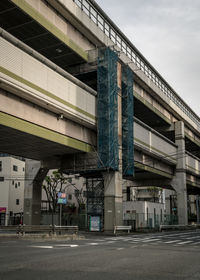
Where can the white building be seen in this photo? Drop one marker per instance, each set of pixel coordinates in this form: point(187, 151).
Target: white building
point(12, 174)
point(145, 214)
point(143, 207)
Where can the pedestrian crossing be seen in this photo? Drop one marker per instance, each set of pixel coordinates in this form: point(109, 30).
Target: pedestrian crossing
point(180, 239)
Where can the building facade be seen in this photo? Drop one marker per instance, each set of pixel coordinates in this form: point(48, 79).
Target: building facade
point(12, 176)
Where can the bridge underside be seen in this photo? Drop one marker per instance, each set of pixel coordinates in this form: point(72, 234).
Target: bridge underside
point(15, 142)
point(20, 22)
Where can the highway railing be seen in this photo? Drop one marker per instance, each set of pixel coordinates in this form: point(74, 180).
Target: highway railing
point(97, 15)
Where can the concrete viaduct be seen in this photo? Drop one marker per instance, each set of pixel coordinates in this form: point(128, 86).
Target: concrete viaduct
point(77, 95)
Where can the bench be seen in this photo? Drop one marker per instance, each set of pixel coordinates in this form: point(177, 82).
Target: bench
point(123, 228)
point(23, 229)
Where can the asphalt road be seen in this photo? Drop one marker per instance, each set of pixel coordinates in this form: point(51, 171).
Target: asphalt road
point(174, 255)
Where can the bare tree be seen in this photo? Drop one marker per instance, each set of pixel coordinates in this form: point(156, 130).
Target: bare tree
point(80, 198)
point(54, 183)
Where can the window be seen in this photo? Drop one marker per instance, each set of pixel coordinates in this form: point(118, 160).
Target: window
point(15, 185)
point(13, 182)
point(15, 168)
point(0, 165)
point(17, 201)
point(70, 197)
point(18, 184)
point(23, 169)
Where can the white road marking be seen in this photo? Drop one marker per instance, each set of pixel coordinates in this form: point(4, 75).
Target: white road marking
point(66, 245)
point(193, 237)
point(196, 243)
point(42, 247)
point(151, 240)
point(93, 244)
point(172, 241)
point(120, 249)
point(184, 242)
point(177, 234)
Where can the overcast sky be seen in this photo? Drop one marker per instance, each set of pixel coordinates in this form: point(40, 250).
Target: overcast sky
point(167, 32)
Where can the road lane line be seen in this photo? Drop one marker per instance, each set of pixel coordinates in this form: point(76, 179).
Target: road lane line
point(42, 247)
point(66, 245)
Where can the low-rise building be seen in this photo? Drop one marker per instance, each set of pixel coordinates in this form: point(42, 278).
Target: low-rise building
point(12, 175)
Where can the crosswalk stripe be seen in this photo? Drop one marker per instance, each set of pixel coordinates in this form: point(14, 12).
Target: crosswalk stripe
point(172, 241)
point(193, 237)
point(184, 242)
point(196, 243)
point(151, 240)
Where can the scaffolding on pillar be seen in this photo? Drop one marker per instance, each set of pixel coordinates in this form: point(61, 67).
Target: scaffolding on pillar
point(127, 121)
point(95, 199)
point(107, 110)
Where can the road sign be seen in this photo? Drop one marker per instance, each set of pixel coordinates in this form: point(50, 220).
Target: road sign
point(61, 198)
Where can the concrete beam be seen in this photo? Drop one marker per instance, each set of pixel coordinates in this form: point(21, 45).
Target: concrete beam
point(162, 183)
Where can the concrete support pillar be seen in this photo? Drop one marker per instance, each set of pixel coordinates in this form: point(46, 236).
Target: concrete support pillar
point(198, 209)
point(180, 176)
point(113, 212)
point(34, 176)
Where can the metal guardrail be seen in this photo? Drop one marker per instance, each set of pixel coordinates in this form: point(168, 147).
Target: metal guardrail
point(22, 229)
point(97, 15)
point(179, 227)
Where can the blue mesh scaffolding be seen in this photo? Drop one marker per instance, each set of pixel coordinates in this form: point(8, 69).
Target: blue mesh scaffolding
point(127, 121)
point(107, 109)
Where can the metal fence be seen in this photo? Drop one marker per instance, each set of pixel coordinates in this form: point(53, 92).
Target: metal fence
point(149, 221)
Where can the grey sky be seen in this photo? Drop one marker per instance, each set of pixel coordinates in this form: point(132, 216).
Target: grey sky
point(167, 32)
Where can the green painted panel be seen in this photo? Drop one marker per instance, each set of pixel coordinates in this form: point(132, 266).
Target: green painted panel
point(152, 170)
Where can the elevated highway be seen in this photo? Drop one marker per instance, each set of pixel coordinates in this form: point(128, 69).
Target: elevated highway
point(49, 88)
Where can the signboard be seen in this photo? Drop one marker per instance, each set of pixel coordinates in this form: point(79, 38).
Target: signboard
point(61, 198)
point(2, 209)
point(95, 223)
